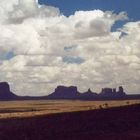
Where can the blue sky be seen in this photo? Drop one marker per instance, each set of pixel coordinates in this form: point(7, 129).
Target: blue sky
point(68, 7)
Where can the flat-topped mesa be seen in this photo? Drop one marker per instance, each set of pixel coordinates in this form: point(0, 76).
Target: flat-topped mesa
point(4, 87)
point(65, 92)
point(5, 93)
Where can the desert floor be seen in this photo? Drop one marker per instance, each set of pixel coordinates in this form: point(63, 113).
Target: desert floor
point(116, 123)
point(14, 109)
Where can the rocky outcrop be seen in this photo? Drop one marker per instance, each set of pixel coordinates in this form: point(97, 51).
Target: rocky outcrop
point(62, 92)
point(112, 93)
point(5, 93)
point(89, 95)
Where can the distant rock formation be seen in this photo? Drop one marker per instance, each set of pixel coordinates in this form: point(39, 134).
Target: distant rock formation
point(5, 93)
point(71, 92)
point(112, 93)
point(88, 95)
point(62, 92)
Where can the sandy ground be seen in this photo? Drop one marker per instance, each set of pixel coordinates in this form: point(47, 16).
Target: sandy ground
point(19, 109)
point(118, 123)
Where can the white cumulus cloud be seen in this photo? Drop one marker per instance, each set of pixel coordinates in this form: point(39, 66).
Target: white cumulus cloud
point(41, 48)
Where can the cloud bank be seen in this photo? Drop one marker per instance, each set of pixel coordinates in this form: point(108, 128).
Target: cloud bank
point(41, 48)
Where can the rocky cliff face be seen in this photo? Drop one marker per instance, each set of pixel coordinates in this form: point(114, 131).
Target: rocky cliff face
point(5, 93)
point(4, 87)
point(112, 93)
point(65, 92)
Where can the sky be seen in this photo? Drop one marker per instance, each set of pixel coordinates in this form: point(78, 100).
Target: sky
point(86, 43)
point(68, 7)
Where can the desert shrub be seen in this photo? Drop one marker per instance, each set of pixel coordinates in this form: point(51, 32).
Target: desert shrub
point(100, 107)
point(127, 103)
point(106, 105)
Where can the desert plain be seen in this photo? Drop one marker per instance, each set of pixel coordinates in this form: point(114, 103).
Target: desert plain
point(22, 109)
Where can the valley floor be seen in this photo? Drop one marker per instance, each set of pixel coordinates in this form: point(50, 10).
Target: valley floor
point(117, 123)
point(20, 109)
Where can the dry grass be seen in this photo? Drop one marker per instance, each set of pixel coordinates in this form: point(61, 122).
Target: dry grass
point(14, 109)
